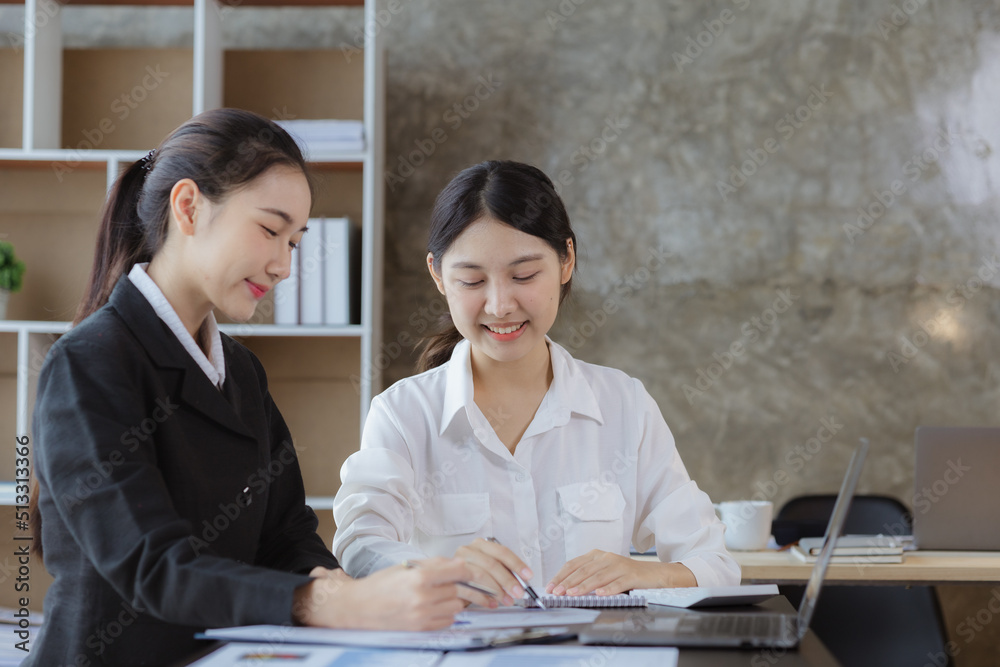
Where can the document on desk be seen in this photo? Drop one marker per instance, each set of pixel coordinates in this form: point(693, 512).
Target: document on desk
point(456, 638)
point(565, 656)
point(252, 655)
point(518, 617)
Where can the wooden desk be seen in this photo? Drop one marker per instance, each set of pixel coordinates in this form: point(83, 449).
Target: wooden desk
point(919, 568)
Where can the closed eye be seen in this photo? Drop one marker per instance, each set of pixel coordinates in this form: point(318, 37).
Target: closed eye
point(523, 279)
point(465, 284)
point(269, 231)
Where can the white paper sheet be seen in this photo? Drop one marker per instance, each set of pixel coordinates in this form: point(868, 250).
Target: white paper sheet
point(565, 656)
point(264, 655)
point(517, 617)
point(455, 638)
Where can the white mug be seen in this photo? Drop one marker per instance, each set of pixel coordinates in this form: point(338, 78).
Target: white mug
point(748, 523)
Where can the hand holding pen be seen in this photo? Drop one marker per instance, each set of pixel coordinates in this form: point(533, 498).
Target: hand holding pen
point(531, 591)
point(495, 567)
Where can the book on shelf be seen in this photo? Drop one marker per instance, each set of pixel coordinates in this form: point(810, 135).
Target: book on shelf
point(326, 135)
point(338, 242)
point(322, 287)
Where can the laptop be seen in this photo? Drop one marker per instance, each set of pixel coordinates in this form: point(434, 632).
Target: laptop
point(957, 488)
point(736, 629)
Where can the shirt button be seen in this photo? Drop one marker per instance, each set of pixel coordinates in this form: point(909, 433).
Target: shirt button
point(521, 477)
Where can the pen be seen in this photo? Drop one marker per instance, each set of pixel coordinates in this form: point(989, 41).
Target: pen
point(409, 564)
point(531, 591)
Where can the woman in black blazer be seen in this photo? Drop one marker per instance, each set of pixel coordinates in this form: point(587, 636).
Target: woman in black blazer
point(169, 495)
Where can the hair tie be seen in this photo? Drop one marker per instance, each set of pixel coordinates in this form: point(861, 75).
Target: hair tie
point(147, 160)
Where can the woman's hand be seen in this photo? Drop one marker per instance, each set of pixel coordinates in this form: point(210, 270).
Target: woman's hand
point(491, 565)
point(397, 598)
point(606, 573)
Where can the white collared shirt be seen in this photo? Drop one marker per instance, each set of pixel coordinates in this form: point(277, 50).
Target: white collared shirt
point(596, 469)
point(214, 364)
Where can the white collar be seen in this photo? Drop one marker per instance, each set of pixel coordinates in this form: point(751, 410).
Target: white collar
point(569, 392)
point(214, 364)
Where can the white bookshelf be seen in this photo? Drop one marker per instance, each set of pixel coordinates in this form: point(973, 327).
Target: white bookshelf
point(51, 191)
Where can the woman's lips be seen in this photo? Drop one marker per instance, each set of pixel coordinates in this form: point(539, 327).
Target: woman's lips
point(257, 290)
point(513, 335)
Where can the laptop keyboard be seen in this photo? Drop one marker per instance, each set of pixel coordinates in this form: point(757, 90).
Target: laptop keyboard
point(737, 625)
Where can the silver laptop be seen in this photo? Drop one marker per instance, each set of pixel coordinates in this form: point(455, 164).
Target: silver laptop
point(957, 488)
point(753, 629)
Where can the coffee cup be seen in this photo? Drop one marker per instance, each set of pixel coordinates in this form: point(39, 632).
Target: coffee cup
point(748, 523)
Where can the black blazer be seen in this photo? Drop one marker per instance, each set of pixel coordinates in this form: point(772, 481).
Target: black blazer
point(168, 506)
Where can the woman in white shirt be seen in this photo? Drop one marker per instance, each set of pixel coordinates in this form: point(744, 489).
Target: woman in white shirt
point(505, 434)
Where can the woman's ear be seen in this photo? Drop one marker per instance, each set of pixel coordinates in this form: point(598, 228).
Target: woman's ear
point(184, 201)
point(430, 268)
point(568, 263)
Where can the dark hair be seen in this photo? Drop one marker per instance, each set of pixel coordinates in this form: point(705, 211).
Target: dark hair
point(513, 193)
point(222, 151)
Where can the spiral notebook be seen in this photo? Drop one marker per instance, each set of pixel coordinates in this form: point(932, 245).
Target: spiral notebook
point(589, 601)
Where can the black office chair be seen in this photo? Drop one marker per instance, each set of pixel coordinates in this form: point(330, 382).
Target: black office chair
point(881, 626)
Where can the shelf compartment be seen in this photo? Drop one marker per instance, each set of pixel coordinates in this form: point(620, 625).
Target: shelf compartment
point(8, 401)
point(338, 192)
point(40, 579)
point(51, 214)
point(39, 345)
point(124, 99)
point(12, 100)
point(284, 84)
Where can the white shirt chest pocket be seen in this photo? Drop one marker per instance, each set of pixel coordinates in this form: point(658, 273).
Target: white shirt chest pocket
point(592, 515)
point(450, 520)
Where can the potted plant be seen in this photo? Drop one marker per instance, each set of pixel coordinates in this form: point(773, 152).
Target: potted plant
point(11, 273)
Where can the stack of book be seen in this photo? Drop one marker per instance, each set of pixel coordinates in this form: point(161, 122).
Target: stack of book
point(853, 549)
point(321, 137)
point(320, 289)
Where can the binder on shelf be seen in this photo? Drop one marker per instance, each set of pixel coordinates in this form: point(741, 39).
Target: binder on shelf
point(338, 268)
point(286, 295)
point(323, 288)
point(311, 275)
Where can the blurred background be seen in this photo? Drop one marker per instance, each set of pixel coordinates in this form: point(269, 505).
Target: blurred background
point(786, 210)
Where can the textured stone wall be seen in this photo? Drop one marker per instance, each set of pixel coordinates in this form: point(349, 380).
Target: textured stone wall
point(786, 210)
point(717, 155)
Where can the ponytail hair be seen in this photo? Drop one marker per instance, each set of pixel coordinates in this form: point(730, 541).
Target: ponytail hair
point(509, 192)
point(436, 350)
point(221, 150)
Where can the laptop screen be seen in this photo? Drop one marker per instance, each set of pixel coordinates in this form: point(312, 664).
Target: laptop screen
point(833, 530)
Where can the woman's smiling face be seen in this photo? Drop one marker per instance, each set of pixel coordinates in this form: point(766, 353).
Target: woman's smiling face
point(503, 288)
point(246, 246)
